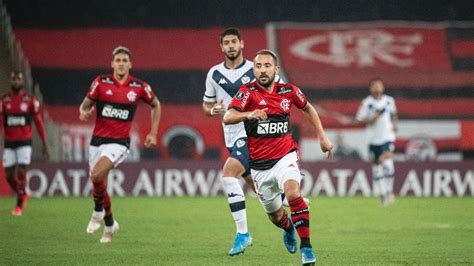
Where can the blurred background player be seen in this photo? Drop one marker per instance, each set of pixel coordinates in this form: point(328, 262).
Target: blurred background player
point(264, 106)
point(222, 83)
point(116, 97)
point(379, 113)
point(19, 109)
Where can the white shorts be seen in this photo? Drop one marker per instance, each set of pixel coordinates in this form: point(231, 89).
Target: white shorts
point(270, 183)
point(20, 155)
point(115, 152)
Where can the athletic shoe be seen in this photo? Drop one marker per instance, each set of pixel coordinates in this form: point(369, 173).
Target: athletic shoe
point(241, 242)
point(109, 231)
point(95, 222)
point(289, 239)
point(307, 256)
point(17, 211)
point(286, 204)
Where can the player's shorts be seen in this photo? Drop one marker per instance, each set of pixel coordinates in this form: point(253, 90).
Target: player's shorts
point(240, 152)
point(18, 155)
point(269, 183)
point(115, 152)
point(375, 151)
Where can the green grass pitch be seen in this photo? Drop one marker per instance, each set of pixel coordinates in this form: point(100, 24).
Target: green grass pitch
point(199, 231)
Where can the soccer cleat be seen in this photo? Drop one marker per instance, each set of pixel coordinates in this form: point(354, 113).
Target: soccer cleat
point(95, 222)
point(289, 239)
point(307, 256)
point(109, 231)
point(17, 211)
point(241, 242)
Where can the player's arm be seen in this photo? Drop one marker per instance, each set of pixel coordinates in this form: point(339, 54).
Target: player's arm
point(39, 123)
point(313, 118)
point(86, 108)
point(362, 118)
point(213, 108)
point(234, 116)
point(150, 139)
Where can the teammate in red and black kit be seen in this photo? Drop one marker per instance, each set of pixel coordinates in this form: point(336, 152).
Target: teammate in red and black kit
point(116, 97)
point(264, 106)
point(19, 109)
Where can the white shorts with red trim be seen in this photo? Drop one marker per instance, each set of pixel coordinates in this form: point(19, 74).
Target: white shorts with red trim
point(270, 183)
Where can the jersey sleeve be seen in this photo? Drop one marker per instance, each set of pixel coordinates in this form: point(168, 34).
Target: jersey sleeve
point(148, 95)
point(93, 93)
point(210, 93)
point(241, 99)
point(362, 112)
point(299, 99)
point(393, 106)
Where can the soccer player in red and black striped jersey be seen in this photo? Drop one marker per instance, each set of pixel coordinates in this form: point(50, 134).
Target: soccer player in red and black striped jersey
point(264, 107)
point(116, 97)
point(19, 109)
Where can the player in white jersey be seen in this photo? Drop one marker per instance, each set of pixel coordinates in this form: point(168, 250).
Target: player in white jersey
point(222, 83)
point(379, 113)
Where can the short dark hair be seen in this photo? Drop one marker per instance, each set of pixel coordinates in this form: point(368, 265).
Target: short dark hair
point(268, 52)
point(230, 31)
point(121, 49)
point(372, 81)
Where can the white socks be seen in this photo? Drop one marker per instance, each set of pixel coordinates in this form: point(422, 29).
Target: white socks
point(378, 177)
point(388, 172)
point(236, 199)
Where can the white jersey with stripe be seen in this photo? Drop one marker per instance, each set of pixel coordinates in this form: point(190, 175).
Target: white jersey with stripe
point(222, 83)
point(382, 130)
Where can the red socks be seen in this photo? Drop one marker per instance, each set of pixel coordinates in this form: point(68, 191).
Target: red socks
point(300, 218)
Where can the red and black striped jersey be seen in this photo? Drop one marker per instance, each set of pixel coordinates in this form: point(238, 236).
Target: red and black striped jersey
point(271, 139)
point(116, 104)
point(18, 111)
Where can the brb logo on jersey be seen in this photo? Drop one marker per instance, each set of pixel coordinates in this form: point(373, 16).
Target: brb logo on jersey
point(110, 112)
point(270, 127)
point(285, 105)
point(13, 121)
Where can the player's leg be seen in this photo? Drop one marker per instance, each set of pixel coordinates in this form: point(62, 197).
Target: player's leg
point(237, 165)
point(23, 159)
point(233, 169)
point(9, 163)
point(269, 195)
point(111, 155)
point(377, 173)
point(289, 180)
point(388, 170)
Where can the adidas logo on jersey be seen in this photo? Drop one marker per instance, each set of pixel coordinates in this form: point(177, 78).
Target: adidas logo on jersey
point(108, 92)
point(262, 102)
point(222, 81)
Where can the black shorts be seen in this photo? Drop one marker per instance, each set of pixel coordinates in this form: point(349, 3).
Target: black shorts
point(240, 152)
point(375, 151)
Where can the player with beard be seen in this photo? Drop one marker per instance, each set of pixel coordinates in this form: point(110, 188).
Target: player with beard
point(19, 109)
point(264, 107)
point(222, 83)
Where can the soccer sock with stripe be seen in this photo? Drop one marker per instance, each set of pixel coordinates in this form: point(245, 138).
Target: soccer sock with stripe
point(389, 174)
point(20, 188)
point(379, 182)
point(284, 223)
point(300, 218)
point(236, 199)
point(109, 221)
point(98, 193)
